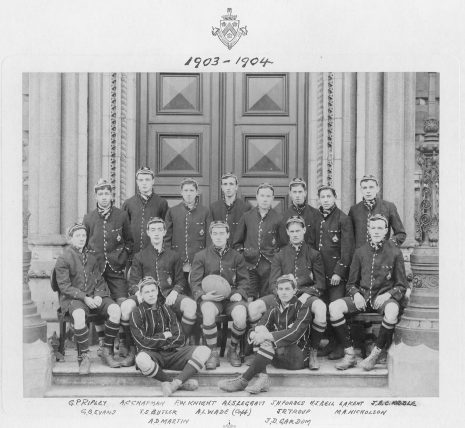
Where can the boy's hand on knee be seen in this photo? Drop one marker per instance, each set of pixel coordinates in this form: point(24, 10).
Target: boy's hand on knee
point(359, 301)
point(171, 298)
point(98, 300)
point(379, 301)
point(90, 302)
point(335, 279)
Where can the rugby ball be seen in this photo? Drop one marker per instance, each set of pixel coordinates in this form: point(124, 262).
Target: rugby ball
point(216, 283)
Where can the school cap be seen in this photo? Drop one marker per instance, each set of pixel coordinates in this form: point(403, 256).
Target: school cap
point(218, 223)
point(74, 227)
point(102, 184)
point(265, 186)
point(326, 187)
point(145, 170)
point(154, 220)
point(297, 181)
point(147, 280)
point(230, 175)
point(295, 219)
point(368, 178)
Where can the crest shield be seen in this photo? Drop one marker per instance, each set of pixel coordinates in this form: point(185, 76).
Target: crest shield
point(229, 31)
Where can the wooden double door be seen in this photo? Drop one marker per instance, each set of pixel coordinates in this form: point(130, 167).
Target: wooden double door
point(202, 125)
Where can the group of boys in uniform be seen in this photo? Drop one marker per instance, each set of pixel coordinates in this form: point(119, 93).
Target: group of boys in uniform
point(142, 268)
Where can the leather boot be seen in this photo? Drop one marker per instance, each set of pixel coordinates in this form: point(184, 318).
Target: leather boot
point(233, 385)
point(84, 367)
point(214, 361)
point(233, 356)
point(348, 361)
point(108, 358)
point(260, 384)
point(130, 358)
point(313, 363)
point(369, 362)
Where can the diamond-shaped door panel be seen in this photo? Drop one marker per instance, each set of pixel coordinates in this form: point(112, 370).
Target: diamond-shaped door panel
point(179, 94)
point(265, 155)
point(266, 94)
point(178, 155)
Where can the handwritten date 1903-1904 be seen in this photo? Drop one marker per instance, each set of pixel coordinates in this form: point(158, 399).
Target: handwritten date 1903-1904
point(199, 62)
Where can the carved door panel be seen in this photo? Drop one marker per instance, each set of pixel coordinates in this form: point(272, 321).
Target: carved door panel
point(202, 125)
point(178, 119)
point(265, 132)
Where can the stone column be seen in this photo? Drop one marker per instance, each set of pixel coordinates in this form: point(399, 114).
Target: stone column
point(45, 171)
point(315, 136)
point(95, 135)
point(417, 334)
point(349, 128)
point(34, 327)
point(393, 140)
point(361, 143)
point(409, 159)
point(131, 133)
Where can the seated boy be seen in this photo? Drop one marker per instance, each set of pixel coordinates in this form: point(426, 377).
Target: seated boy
point(377, 283)
point(82, 291)
point(165, 266)
point(282, 337)
point(160, 342)
point(219, 259)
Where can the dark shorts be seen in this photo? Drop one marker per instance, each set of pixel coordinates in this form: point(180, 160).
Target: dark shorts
point(259, 278)
point(290, 358)
point(353, 309)
point(102, 310)
point(116, 283)
point(174, 359)
point(226, 307)
point(334, 292)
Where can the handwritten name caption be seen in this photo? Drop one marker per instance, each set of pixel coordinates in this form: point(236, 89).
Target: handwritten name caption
point(91, 407)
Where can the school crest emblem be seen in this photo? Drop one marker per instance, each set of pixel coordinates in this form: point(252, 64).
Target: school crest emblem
point(169, 280)
point(229, 31)
point(118, 238)
point(335, 239)
point(201, 233)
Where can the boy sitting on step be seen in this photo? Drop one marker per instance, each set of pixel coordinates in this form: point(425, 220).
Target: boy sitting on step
point(282, 338)
point(160, 342)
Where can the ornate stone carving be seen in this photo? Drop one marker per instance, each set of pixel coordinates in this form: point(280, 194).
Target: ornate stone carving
point(431, 126)
point(425, 281)
point(319, 163)
point(330, 130)
point(427, 213)
point(118, 135)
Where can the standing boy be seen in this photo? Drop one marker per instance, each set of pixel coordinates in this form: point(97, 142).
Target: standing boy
point(230, 208)
point(335, 242)
point(110, 237)
point(257, 238)
point(84, 291)
point(186, 224)
point(143, 205)
point(165, 266)
point(282, 338)
point(161, 344)
point(299, 207)
point(371, 205)
point(377, 283)
point(219, 259)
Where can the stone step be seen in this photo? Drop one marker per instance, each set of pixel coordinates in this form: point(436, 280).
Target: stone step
point(64, 391)
point(65, 373)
